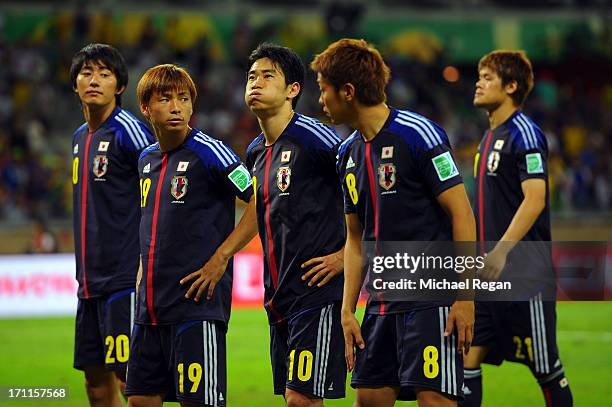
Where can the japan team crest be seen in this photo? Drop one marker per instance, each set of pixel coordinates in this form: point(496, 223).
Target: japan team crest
point(100, 165)
point(179, 186)
point(493, 161)
point(283, 178)
point(386, 175)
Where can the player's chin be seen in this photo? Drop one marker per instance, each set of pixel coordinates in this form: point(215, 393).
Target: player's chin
point(175, 127)
point(479, 103)
point(96, 101)
point(256, 106)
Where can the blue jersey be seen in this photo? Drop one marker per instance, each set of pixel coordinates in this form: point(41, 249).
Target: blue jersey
point(392, 182)
point(105, 203)
point(299, 213)
point(512, 153)
point(188, 199)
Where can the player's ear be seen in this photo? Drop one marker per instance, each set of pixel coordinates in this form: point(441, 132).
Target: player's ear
point(144, 109)
point(348, 92)
point(120, 90)
point(294, 90)
point(511, 87)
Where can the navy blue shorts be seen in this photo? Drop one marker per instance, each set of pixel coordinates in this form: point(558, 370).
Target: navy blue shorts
point(307, 353)
point(408, 350)
point(184, 362)
point(523, 332)
point(102, 331)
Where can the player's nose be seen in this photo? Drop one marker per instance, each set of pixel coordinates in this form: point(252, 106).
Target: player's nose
point(175, 106)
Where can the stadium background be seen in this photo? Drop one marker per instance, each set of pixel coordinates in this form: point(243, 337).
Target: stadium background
point(432, 47)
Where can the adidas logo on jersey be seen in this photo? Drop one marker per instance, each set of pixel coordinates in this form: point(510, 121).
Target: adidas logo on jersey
point(350, 163)
point(466, 390)
point(146, 169)
point(221, 397)
point(331, 387)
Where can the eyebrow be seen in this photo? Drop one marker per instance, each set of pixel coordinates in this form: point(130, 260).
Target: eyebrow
point(252, 71)
point(169, 93)
point(94, 66)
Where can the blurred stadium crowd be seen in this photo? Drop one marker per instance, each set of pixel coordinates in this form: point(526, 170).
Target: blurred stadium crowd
point(572, 100)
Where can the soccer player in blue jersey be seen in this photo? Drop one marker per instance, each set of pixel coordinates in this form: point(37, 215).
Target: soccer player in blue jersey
point(400, 184)
point(512, 205)
point(105, 152)
point(189, 182)
point(299, 214)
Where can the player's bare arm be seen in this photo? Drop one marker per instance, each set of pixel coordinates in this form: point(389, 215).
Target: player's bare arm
point(352, 286)
point(455, 203)
point(210, 274)
point(534, 201)
point(139, 275)
point(324, 268)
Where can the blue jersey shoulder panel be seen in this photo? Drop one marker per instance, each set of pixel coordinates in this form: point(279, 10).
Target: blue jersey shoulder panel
point(211, 150)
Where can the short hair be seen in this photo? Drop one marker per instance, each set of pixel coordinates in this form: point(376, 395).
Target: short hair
point(357, 62)
point(284, 58)
point(511, 66)
point(165, 78)
point(104, 54)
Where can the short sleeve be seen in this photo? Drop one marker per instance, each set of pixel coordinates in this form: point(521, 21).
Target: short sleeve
point(230, 171)
point(530, 152)
point(438, 166)
point(347, 179)
point(133, 136)
point(239, 179)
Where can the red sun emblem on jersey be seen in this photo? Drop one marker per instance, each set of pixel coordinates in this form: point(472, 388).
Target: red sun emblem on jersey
point(100, 165)
point(283, 178)
point(386, 175)
point(179, 186)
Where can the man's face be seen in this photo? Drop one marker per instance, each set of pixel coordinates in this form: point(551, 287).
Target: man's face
point(169, 111)
point(96, 84)
point(333, 104)
point(265, 88)
point(489, 90)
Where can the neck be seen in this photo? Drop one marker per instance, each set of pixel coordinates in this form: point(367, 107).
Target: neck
point(274, 123)
point(501, 113)
point(369, 120)
point(170, 140)
point(95, 116)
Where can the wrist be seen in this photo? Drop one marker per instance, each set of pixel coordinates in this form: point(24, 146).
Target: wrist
point(224, 254)
point(347, 312)
point(504, 247)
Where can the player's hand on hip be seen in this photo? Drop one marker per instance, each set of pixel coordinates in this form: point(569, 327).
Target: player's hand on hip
point(323, 268)
point(207, 276)
point(494, 264)
point(461, 318)
point(352, 338)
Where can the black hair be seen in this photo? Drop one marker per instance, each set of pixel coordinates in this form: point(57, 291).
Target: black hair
point(105, 54)
point(286, 59)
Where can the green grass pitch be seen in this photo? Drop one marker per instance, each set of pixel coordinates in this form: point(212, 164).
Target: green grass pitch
point(38, 352)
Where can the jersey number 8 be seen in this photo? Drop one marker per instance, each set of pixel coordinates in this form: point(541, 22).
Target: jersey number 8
point(351, 184)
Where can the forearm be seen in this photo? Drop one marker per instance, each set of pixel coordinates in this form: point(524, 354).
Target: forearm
point(464, 226)
point(242, 234)
point(139, 274)
point(352, 275)
point(523, 220)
